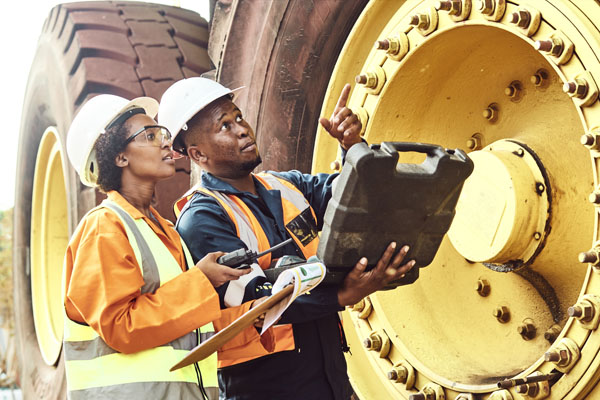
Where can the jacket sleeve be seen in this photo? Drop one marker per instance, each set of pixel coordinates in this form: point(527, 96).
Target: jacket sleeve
point(249, 342)
point(103, 291)
point(315, 188)
point(206, 228)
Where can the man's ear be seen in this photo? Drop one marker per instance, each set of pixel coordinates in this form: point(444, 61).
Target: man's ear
point(121, 160)
point(196, 154)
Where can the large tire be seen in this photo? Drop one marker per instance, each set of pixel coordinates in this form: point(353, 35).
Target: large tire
point(285, 71)
point(127, 49)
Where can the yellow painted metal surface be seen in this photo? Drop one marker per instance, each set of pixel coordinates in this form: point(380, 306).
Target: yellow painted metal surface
point(49, 238)
point(515, 84)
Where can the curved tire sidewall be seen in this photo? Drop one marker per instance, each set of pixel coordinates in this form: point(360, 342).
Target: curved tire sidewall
point(46, 104)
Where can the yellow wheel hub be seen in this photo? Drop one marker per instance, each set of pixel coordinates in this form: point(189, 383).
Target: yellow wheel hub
point(504, 207)
point(516, 85)
point(49, 239)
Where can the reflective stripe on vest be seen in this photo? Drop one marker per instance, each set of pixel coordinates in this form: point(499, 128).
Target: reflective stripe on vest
point(295, 209)
point(94, 370)
point(294, 206)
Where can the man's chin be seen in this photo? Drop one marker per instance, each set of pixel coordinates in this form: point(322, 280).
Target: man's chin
point(249, 166)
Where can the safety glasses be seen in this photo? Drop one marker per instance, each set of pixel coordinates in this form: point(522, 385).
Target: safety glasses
point(150, 135)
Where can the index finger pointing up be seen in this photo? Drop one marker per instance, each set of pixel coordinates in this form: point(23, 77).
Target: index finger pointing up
point(343, 97)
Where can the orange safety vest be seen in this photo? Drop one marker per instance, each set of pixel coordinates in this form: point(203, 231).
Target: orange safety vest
point(295, 209)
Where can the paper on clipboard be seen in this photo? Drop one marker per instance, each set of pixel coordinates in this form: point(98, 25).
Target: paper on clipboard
point(304, 278)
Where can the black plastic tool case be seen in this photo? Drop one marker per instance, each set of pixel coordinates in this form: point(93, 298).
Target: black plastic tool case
point(376, 201)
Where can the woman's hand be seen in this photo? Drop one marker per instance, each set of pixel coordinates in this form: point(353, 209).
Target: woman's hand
point(219, 274)
point(359, 283)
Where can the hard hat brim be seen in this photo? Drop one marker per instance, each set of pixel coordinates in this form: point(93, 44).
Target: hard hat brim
point(196, 107)
point(86, 175)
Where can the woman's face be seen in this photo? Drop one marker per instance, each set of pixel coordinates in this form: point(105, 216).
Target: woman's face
point(149, 157)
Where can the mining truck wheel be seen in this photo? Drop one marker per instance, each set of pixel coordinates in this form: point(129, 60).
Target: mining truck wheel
point(516, 84)
point(128, 49)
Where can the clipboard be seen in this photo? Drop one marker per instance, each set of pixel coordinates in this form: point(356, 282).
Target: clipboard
point(208, 347)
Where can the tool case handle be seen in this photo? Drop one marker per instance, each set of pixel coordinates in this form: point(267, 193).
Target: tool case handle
point(432, 150)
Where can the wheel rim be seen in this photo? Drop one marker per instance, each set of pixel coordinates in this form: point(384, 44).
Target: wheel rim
point(479, 81)
point(49, 239)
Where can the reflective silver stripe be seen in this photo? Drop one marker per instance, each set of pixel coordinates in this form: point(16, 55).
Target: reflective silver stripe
point(245, 227)
point(234, 294)
point(204, 336)
point(293, 196)
point(87, 349)
point(151, 275)
point(90, 349)
point(145, 391)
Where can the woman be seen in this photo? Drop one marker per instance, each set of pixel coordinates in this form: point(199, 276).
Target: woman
point(135, 302)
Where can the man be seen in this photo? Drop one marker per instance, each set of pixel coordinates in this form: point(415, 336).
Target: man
point(234, 208)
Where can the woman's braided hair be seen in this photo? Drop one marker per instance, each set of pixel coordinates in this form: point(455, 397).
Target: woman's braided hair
point(108, 146)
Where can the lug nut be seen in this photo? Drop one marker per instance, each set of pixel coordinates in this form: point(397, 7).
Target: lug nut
point(487, 7)
point(577, 88)
point(474, 142)
point(539, 188)
point(543, 45)
point(398, 374)
point(513, 90)
point(445, 5)
point(554, 46)
point(491, 113)
point(594, 197)
point(582, 311)
point(421, 21)
point(590, 257)
point(368, 79)
point(521, 18)
point(454, 7)
point(502, 314)
point(587, 140)
point(527, 331)
point(510, 91)
point(390, 45)
point(530, 389)
point(373, 342)
point(539, 78)
point(552, 333)
point(482, 287)
point(557, 356)
point(382, 44)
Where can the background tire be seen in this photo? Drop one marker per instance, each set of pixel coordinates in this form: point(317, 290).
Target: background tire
point(285, 71)
point(127, 49)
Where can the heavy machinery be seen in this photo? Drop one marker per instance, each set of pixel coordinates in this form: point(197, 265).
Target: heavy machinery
point(515, 288)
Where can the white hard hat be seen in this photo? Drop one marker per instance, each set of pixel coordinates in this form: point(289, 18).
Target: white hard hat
point(182, 100)
point(90, 122)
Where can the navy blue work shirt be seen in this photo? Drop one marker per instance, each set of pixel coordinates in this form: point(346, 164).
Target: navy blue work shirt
point(316, 368)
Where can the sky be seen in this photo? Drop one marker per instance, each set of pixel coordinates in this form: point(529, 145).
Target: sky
point(19, 32)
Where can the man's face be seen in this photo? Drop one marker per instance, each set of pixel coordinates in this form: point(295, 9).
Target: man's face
point(222, 141)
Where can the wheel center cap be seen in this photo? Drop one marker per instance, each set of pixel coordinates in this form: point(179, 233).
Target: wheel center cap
point(503, 209)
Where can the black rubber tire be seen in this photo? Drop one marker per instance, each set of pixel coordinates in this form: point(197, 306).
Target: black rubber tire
point(286, 70)
point(128, 49)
